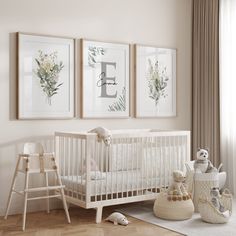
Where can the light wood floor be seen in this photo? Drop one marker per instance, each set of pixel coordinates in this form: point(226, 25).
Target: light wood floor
point(83, 224)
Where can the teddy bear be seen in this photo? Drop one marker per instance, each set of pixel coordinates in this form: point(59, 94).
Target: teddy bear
point(202, 164)
point(103, 134)
point(177, 187)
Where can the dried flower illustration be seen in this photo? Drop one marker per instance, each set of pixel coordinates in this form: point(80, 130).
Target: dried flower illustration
point(157, 81)
point(48, 70)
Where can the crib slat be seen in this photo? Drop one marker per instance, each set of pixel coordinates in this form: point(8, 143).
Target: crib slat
point(132, 156)
point(152, 161)
point(77, 167)
point(126, 164)
point(122, 168)
point(82, 161)
point(88, 168)
point(106, 163)
point(174, 163)
point(163, 176)
point(178, 152)
point(116, 158)
point(102, 160)
point(139, 163)
point(110, 167)
point(182, 151)
point(64, 157)
point(96, 157)
point(72, 166)
point(157, 160)
point(147, 157)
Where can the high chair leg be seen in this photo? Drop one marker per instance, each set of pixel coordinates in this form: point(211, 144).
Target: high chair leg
point(25, 199)
point(65, 205)
point(63, 197)
point(47, 200)
point(12, 188)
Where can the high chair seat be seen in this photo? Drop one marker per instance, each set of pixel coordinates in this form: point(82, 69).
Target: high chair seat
point(34, 160)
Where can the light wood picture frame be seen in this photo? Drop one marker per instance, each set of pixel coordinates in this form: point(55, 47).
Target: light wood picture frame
point(105, 79)
point(46, 77)
point(155, 82)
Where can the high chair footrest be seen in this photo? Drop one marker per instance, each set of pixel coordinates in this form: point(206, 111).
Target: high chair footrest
point(45, 188)
point(43, 197)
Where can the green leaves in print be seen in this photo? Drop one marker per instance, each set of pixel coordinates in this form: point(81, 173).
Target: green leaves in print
point(93, 53)
point(157, 81)
point(48, 70)
point(120, 104)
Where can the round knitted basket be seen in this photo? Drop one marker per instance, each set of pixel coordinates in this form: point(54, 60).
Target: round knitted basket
point(172, 209)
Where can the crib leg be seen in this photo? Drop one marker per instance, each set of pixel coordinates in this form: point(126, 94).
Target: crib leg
point(99, 215)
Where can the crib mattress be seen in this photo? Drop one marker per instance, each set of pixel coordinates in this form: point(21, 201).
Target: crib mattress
point(115, 182)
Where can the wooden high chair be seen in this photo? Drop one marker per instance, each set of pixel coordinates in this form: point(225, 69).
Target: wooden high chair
point(35, 161)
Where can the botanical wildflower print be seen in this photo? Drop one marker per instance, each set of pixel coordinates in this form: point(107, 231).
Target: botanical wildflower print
point(48, 71)
point(46, 77)
point(157, 81)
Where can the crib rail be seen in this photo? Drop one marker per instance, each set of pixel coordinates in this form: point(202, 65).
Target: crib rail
point(135, 166)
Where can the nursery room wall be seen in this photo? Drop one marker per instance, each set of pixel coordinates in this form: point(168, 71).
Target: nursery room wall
point(149, 22)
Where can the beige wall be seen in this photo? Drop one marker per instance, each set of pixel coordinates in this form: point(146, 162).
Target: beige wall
point(164, 23)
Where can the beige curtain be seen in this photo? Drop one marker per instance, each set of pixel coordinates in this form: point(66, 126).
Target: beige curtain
point(205, 120)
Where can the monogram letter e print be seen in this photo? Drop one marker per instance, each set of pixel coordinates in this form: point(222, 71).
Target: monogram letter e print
point(105, 80)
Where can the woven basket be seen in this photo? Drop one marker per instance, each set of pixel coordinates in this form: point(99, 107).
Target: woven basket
point(212, 215)
point(172, 210)
point(203, 182)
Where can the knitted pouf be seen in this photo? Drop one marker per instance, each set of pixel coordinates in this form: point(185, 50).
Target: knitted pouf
point(173, 209)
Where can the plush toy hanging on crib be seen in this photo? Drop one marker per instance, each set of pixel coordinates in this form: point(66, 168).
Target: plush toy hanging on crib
point(103, 134)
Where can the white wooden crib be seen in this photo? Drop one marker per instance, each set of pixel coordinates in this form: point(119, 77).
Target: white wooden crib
point(133, 168)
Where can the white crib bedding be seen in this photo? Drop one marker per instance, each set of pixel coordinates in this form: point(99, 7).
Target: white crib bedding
point(118, 181)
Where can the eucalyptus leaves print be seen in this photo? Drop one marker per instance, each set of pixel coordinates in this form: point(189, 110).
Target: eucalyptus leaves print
point(119, 105)
point(48, 70)
point(157, 81)
point(93, 53)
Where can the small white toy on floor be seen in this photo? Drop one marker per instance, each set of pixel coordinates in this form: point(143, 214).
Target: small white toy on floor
point(177, 187)
point(103, 134)
point(118, 218)
point(215, 199)
point(202, 164)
